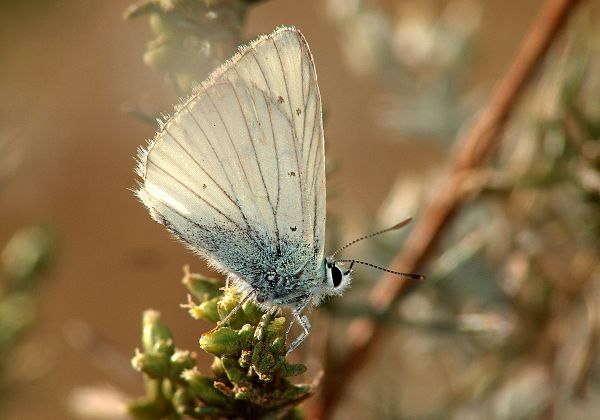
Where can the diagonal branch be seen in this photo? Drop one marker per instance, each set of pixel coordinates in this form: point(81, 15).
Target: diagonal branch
point(472, 151)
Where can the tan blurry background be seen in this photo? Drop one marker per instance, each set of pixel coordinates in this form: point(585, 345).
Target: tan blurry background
point(67, 68)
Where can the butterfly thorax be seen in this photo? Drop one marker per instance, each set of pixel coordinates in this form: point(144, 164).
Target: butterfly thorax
point(283, 288)
point(283, 275)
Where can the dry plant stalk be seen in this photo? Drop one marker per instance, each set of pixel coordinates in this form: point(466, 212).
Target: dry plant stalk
point(471, 152)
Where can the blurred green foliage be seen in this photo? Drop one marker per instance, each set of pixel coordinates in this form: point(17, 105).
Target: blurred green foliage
point(23, 261)
point(423, 59)
point(192, 37)
point(508, 314)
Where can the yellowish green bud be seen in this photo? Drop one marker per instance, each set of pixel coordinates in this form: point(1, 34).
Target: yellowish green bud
point(182, 360)
point(208, 310)
point(200, 287)
point(155, 365)
point(153, 330)
point(221, 342)
point(217, 368)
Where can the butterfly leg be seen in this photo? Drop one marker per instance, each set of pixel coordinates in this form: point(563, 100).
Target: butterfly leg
point(234, 310)
point(289, 328)
point(304, 323)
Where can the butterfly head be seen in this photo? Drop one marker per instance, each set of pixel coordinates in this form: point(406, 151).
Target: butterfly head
point(338, 277)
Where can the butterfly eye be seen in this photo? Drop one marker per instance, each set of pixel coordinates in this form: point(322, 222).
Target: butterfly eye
point(336, 276)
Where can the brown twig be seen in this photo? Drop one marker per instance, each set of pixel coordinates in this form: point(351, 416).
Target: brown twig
point(470, 154)
point(589, 352)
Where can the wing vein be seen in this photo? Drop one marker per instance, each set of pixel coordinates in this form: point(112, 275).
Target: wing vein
point(262, 72)
point(160, 168)
point(193, 222)
point(312, 141)
point(183, 216)
point(275, 150)
point(300, 174)
point(237, 204)
point(302, 87)
point(317, 174)
point(316, 178)
point(201, 167)
point(231, 141)
point(256, 155)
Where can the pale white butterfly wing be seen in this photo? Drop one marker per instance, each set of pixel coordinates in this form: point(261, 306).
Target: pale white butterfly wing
point(282, 66)
point(238, 171)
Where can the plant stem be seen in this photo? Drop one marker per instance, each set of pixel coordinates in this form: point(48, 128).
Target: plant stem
point(470, 154)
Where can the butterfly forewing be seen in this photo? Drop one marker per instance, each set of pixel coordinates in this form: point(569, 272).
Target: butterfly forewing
point(238, 172)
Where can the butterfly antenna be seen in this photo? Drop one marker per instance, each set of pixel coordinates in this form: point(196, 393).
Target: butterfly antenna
point(397, 226)
point(410, 276)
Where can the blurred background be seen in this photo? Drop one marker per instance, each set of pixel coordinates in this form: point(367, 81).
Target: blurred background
point(507, 324)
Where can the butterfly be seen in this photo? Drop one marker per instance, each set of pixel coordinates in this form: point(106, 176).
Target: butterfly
point(238, 174)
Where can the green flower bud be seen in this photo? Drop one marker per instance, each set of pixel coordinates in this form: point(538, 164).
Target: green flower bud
point(181, 360)
point(260, 331)
point(153, 405)
point(26, 254)
point(221, 341)
point(162, 26)
point(207, 310)
point(155, 365)
point(217, 368)
point(203, 387)
point(278, 345)
point(246, 334)
point(159, 55)
point(252, 312)
point(167, 388)
point(165, 347)
point(202, 288)
point(153, 330)
point(228, 303)
point(276, 328)
point(144, 409)
point(182, 401)
point(17, 312)
point(235, 374)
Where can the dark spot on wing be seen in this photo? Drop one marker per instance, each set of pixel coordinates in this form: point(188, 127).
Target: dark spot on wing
point(280, 99)
point(293, 228)
point(292, 173)
point(298, 111)
point(203, 185)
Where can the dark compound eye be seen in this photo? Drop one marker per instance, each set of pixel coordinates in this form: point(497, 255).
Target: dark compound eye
point(336, 276)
